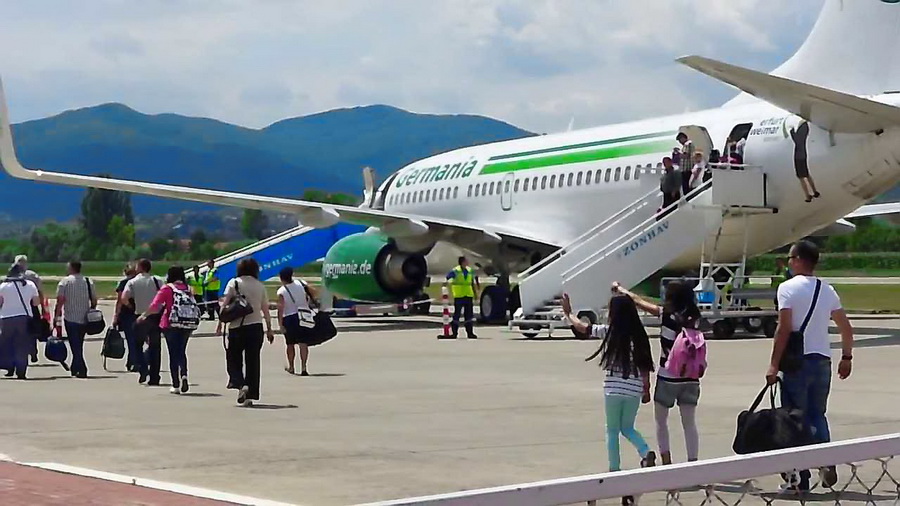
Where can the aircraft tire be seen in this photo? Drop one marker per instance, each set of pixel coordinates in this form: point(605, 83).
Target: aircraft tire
point(492, 304)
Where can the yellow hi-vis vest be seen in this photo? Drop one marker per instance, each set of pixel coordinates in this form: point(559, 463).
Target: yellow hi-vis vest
point(212, 285)
point(196, 284)
point(461, 283)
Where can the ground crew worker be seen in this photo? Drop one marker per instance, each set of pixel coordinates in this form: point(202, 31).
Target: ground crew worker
point(463, 285)
point(211, 290)
point(198, 286)
point(781, 274)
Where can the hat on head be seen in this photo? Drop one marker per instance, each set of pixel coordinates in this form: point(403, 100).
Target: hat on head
point(21, 260)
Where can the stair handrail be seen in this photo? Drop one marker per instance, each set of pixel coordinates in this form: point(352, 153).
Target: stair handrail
point(615, 244)
point(583, 238)
point(260, 244)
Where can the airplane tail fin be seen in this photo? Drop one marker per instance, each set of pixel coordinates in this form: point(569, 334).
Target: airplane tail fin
point(852, 48)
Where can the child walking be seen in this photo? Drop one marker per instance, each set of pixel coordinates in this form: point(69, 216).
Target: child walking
point(627, 361)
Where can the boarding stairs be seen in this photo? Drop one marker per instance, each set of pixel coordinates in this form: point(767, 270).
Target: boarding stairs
point(293, 247)
point(631, 246)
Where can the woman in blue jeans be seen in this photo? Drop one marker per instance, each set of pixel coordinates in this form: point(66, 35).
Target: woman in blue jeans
point(176, 338)
point(627, 362)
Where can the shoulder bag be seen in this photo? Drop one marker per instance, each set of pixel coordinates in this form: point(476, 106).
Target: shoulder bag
point(93, 320)
point(324, 328)
point(237, 308)
point(37, 326)
point(792, 358)
point(305, 315)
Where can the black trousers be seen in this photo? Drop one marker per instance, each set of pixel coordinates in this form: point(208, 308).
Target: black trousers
point(464, 305)
point(243, 346)
point(150, 333)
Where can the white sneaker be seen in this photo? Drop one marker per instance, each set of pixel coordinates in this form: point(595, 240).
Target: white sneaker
point(175, 391)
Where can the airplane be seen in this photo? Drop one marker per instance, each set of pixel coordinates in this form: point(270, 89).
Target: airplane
point(515, 204)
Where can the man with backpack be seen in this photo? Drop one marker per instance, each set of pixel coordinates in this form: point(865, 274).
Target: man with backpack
point(802, 349)
point(143, 288)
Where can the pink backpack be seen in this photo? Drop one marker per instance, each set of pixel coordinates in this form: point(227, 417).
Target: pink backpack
point(688, 356)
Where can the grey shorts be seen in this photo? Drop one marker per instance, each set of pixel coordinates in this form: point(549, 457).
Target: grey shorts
point(669, 393)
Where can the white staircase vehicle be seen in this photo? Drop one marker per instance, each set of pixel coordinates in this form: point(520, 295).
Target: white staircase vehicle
point(632, 245)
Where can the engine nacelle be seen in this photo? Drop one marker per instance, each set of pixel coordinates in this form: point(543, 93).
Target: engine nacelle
point(367, 267)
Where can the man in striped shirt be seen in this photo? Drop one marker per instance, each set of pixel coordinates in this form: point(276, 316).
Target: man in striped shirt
point(75, 295)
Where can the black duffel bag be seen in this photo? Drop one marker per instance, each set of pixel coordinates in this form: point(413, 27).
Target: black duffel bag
point(324, 329)
point(770, 429)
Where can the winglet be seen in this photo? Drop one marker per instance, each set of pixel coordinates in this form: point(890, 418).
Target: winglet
point(8, 158)
point(829, 109)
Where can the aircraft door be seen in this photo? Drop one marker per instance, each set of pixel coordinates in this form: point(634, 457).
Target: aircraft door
point(506, 191)
point(700, 138)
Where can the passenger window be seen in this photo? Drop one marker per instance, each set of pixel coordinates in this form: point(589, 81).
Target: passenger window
point(618, 173)
point(553, 181)
point(421, 195)
point(578, 179)
point(491, 189)
point(484, 188)
point(441, 194)
point(525, 185)
point(544, 183)
point(534, 183)
point(608, 175)
point(637, 172)
point(597, 177)
point(469, 193)
point(477, 189)
point(570, 179)
point(627, 173)
point(455, 192)
point(506, 187)
point(516, 186)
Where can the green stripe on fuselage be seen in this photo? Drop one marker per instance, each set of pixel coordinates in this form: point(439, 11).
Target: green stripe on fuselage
point(593, 155)
point(584, 145)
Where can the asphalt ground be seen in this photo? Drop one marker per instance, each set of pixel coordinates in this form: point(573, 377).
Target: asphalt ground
point(389, 412)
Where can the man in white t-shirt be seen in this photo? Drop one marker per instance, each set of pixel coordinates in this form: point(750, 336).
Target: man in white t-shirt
point(807, 388)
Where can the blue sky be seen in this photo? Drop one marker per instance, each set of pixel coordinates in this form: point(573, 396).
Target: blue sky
point(534, 63)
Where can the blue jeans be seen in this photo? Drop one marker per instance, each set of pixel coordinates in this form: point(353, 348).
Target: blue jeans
point(176, 342)
point(75, 336)
point(807, 390)
point(621, 412)
point(17, 343)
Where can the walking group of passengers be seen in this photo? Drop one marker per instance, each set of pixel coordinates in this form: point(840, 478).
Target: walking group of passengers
point(150, 309)
point(806, 306)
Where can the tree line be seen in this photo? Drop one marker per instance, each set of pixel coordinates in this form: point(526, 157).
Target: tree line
point(105, 230)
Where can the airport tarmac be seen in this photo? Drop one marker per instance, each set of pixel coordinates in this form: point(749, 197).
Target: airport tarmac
point(391, 412)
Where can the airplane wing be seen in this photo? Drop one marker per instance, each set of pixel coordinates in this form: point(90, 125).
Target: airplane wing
point(315, 214)
point(829, 109)
point(870, 210)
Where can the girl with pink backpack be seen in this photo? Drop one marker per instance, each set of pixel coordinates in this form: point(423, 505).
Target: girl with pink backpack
point(627, 362)
point(681, 364)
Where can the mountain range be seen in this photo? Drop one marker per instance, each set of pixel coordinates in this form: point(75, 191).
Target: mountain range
point(324, 151)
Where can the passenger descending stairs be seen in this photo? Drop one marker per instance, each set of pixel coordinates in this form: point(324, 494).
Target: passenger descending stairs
point(631, 246)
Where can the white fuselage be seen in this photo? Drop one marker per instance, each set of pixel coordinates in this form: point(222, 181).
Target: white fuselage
point(485, 185)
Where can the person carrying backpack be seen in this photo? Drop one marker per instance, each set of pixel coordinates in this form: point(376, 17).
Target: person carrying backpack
point(180, 317)
point(680, 319)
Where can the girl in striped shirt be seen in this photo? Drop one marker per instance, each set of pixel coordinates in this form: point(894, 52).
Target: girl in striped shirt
point(627, 362)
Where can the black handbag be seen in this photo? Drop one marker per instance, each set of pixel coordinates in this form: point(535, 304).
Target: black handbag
point(237, 308)
point(770, 429)
point(792, 358)
point(113, 345)
point(38, 327)
point(324, 329)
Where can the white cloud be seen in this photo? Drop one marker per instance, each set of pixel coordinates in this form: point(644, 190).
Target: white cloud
point(534, 63)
